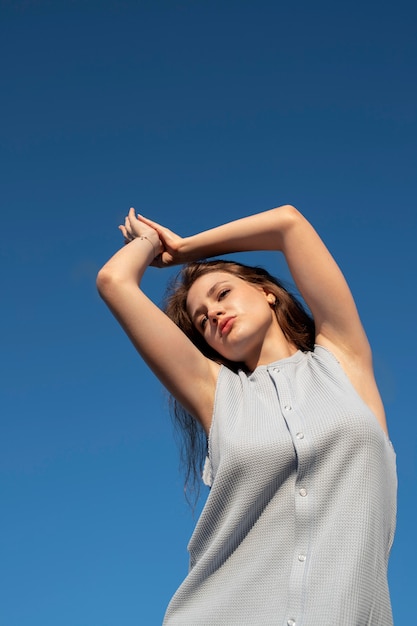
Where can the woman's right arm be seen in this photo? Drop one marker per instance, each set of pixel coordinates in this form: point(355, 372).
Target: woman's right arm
point(180, 366)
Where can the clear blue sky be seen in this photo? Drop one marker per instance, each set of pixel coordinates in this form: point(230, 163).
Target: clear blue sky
point(195, 112)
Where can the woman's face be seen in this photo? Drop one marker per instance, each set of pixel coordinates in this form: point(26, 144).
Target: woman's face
point(235, 317)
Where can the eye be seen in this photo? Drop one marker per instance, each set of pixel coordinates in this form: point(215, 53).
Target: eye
point(203, 321)
point(223, 294)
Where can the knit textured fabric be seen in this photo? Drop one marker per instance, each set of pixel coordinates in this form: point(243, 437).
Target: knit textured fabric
point(300, 518)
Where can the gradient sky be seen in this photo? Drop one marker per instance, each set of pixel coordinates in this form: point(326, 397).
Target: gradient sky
point(196, 113)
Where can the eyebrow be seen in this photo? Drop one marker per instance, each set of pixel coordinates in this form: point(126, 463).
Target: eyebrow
point(210, 292)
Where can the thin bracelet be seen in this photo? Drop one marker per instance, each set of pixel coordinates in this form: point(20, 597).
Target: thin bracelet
point(153, 247)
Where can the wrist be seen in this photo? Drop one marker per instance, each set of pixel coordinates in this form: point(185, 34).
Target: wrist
point(155, 246)
point(186, 251)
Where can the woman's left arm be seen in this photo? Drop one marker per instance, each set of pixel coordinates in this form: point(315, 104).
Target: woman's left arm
point(315, 273)
point(326, 292)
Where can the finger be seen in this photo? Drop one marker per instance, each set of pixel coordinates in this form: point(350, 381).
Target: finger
point(130, 233)
point(149, 222)
point(164, 233)
point(128, 226)
point(132, 215)
point(125, 234)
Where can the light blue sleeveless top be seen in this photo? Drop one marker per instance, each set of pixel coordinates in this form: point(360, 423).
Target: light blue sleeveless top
point(300, 518)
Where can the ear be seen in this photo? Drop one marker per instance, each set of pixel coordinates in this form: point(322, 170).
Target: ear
point(271, 297)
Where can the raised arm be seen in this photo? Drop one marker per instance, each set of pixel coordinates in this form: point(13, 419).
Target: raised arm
point(315, 272)
point(180, 366)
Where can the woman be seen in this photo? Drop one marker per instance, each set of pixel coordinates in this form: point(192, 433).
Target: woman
point(300, 517)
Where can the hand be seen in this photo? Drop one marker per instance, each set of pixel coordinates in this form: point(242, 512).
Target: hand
point(133, 228)
point(170, 242)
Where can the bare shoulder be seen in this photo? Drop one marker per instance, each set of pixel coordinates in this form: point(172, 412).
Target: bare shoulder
point(359, 369)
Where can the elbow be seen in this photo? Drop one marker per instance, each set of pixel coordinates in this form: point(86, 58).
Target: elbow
point(112, 284)
point(105, 282)
point(289, 211)
point(102, 280)
point(288, 216)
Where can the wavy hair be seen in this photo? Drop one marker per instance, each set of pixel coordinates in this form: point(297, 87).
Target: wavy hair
point(296, 324)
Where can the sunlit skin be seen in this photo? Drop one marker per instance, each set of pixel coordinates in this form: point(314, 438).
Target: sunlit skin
point(237, 319)
point(252, 335)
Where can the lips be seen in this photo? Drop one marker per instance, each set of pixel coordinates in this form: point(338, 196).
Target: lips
point(225, 325)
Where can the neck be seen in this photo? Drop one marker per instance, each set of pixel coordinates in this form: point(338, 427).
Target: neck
point(271, 353)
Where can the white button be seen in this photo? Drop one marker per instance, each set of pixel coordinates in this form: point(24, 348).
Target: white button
point(303, 492)
point(291, 622)
point(302, 558)
point(287, 407)
point(300, 435)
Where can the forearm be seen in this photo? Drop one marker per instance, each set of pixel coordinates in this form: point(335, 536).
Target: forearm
point(263, 231)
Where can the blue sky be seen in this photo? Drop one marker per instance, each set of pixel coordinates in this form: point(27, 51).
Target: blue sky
point(196, 113)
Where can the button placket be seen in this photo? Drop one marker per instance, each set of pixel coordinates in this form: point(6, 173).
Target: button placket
point(300, 438)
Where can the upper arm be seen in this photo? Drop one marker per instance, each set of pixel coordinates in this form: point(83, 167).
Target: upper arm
point(187, 374)
point(323, 287)
point(327, 294)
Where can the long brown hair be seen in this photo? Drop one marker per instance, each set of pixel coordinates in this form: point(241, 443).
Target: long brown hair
point(296, 324)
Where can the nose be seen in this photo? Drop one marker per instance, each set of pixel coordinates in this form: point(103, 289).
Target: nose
point(214, 316)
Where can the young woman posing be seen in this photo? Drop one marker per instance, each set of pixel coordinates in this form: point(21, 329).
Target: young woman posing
point(300, 518)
